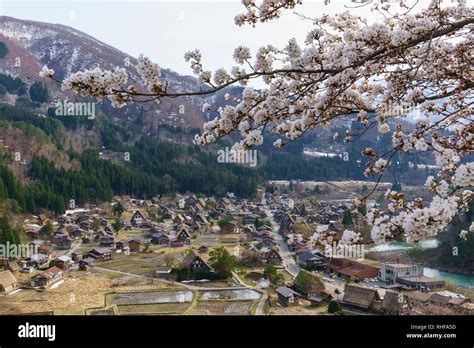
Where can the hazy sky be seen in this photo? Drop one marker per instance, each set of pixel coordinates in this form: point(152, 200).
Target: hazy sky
point(166, 29)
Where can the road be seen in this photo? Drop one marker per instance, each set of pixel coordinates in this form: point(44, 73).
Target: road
point(334, 284)
point(293, 268)
point(261, 304)
point(290, 265)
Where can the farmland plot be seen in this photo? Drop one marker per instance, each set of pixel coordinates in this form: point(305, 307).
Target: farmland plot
point(225, 307)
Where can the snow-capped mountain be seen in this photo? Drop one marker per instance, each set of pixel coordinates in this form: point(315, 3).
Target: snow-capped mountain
point(66, 50)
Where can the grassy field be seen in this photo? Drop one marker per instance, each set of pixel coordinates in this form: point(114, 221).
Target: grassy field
point(78, 292)
point(131, 265)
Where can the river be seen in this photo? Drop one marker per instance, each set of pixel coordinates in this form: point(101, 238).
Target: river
point(461, 280)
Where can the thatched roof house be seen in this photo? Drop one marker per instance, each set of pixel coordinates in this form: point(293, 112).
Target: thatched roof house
point(308, 283)
point(360, 297)
point(394, 303)
point(8, 281)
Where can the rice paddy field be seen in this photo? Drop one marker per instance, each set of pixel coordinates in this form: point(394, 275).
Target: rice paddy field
point(174, 302)
point(153, 309)
point(225, 307)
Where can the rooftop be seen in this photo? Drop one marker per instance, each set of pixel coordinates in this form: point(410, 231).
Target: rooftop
point(285, 292)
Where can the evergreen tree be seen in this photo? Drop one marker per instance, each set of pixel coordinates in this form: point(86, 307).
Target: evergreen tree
point(39, 92)
point(3, 50)
point(7, 233)
point(347, 218)
point(362, 209)
point(222, 262)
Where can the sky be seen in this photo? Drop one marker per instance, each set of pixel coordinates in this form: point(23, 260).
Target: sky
point(165, 29)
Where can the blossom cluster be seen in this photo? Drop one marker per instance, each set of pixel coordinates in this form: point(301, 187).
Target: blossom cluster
point(350, 237)
point(346, 66)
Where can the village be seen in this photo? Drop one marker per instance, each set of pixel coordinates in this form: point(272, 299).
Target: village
point(170, 255)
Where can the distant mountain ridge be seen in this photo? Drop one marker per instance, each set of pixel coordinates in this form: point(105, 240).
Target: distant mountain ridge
point(66, 50)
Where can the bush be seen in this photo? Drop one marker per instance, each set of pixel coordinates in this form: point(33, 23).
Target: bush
point(334, 307)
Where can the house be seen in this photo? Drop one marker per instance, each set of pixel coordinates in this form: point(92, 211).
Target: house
point(287, 221)
point(195, 263)
point(86, 264)
point(179, 219)
point(307, 259)
point(103, 221)
point(8, 265)
point(65, 243)
point(86, 225)
point(7, 282)
point(351, 269)
point(422, 283)
point(267, 243)
point(42, 219)
point(107, 241)
point(47, 278)
point(360, 297)
point(225, 203)
point(273, 257)
point(215, 214)
point(191, 200)
point(394, 303)
point(286, 296)
point(183, 236)
point(76, 233)
point(229, 227)
point(100, 254)
point(63, 262)
point(121, 245)
point(167, 215)
point(163, 272)
point(316, 301)
point(138, 218)
point(264, 229)
point(147, 204)
point(37, 260)
point(389, 272)
point(134, 245)
point(417, 301)
point(109, 229)
point(45, 249)
point(76, 256)
point(201, 219)
point(159, 239)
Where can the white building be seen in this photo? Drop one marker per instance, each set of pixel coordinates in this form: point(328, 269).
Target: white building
point(389, 272)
